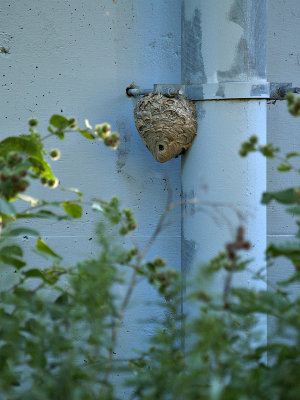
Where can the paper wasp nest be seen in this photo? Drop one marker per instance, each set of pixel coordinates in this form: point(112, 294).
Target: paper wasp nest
point(167, 125)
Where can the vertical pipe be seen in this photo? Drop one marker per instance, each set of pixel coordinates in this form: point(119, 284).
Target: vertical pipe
point(224, 41)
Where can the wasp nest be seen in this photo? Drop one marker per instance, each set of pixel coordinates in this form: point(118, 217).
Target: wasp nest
point(167, 125)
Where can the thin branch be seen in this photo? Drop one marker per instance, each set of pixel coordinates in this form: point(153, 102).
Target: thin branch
point(133, 282)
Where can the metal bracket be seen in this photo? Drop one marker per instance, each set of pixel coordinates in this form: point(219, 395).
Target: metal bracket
point(220, 91)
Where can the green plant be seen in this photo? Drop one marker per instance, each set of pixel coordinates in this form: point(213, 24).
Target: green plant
point(60, 325)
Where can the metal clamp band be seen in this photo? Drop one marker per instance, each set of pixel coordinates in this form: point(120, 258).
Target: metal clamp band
point(220, 91)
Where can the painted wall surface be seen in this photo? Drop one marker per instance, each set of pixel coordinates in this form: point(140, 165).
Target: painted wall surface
point(283, 61)
point(76, 58)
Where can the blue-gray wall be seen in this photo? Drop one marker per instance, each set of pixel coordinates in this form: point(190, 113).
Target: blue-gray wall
point(76, 58)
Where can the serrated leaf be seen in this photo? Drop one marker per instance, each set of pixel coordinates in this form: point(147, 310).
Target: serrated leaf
point(43, 248)
point(59, 121)
point(72, 209)
point(6, 207)
point(86, 134)
point(288, 196)
point(283, 168)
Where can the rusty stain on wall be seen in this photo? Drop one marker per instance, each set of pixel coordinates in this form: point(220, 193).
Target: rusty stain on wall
point(5, 44)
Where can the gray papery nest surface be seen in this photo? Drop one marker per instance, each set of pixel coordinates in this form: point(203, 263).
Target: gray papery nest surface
point(166, 125)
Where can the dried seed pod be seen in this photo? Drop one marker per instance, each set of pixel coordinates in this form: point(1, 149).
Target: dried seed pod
point(167, 125)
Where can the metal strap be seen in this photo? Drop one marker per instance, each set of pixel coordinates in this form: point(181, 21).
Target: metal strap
point(220, 91)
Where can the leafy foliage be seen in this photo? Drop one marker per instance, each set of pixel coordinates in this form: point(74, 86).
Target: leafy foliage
point(60, 325)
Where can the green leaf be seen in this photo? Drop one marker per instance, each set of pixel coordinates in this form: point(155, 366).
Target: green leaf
point(43, 248)
point(34, 273)
point(63, 299)
point(20, 231)
point(12, 250)
point(86, 134)
point(42, 214)
point(294, 210)
point(72, 209)
point(9, 260)
point(22, 144)
point(291, 250)
point(292, 154)
point(283, 168)
point(6, 207)
point(41, 167)
point(59, 122)
point(59, 134)
point(288, 196)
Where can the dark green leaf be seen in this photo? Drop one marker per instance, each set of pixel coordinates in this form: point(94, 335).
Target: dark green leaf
point(294, 210)
point(34, 273)
point(283, 168)
point(62, 299)
point(9, 260)
point(12, 250)
point(290, 250)
point(292, 154)
point(72, 209)
point(288, 196)
point(42, 247)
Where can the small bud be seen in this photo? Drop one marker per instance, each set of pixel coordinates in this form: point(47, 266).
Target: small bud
point(123, 231)
point(106, 127)
point(23, 186)
point(102, 130)
point(23, 173)
point(253, 139)
point(72, 122)
point(159, 262)
point(54, 154)
point(44, 181)
point(131, 226)
point(33, 122)
point(53, 183)
point(3, 177)
point(15, 178)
